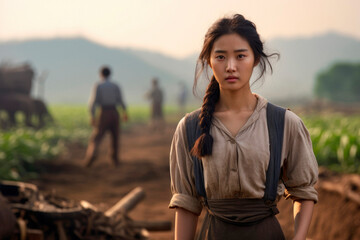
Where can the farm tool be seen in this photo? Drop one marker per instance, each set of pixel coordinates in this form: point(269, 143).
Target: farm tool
point(41, 216)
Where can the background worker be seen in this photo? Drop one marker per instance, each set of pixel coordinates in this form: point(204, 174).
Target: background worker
point(156, 97)
point(107, 95)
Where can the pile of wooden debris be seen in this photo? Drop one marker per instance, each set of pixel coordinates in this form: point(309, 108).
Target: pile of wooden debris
point(42, 216)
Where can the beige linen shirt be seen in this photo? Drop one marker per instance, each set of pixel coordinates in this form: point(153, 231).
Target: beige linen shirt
point(237, 166)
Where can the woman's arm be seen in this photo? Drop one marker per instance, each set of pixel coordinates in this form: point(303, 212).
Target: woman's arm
point(303, 210)
point(185, 224)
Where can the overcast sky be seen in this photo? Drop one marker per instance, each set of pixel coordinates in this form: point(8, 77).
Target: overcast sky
point(174, 27)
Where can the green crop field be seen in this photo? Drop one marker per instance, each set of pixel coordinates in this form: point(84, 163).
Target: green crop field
point(335, 138)
point(22, 146)
point(336, 141)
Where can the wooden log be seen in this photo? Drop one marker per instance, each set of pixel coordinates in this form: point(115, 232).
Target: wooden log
point(86, 205)
point(127, 203)
point(153, 225)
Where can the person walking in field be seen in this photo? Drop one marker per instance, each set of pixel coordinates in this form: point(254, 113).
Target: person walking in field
point(106, 95)
point(156, 97)
point(238, 154)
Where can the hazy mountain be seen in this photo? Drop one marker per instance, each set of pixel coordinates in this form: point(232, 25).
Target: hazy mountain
point(73, 66)
point(182, 68)
point(301, 59)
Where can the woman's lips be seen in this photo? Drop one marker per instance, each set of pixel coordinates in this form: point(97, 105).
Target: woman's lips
point(231, 79)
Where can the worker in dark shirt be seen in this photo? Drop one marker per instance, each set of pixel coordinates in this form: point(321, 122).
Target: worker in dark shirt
point(107, 96)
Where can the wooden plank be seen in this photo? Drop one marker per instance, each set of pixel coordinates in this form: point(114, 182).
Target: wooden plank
point(127, 203)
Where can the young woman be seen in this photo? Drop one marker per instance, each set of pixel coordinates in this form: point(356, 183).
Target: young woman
point(227, 169)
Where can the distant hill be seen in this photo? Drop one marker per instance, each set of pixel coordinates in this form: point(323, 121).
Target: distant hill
point(73, 65)
point(301, 59)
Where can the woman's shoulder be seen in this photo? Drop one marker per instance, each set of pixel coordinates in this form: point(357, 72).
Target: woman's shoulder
point(187, 122)
point(189, 117)
point(193, 116)
point(290, 116)
point(181, 125)
point(293, 122)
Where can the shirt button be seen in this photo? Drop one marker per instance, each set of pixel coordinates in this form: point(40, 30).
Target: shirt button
point(234, 169)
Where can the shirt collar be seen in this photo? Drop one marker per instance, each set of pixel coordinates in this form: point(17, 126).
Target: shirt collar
point(261, 103)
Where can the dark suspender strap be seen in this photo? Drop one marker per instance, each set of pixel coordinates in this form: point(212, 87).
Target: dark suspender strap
point(275, 117)
point(193, 132)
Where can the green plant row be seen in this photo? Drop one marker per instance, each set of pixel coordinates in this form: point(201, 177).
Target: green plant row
point(336, 141)
point(335, 138)
point(20, 147)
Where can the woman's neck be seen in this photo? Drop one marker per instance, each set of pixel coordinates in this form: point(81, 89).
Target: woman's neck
point(236, 101)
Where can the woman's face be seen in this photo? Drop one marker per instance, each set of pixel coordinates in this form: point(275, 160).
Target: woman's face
point(232, 61)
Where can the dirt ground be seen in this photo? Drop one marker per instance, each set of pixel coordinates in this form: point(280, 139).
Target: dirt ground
point(144, 163)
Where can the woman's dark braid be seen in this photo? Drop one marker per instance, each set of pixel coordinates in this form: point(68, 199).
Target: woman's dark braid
point(203, 145)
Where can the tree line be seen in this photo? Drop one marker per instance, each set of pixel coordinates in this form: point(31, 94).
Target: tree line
point(339, 83)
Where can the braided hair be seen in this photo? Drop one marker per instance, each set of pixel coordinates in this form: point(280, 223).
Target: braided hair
point(203, 145)
point(246, 29)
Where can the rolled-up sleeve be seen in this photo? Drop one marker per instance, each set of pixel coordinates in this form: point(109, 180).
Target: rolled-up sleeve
point(181, 173)
point(300, 167)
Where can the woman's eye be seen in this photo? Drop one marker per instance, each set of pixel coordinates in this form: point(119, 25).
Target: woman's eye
point(241, 56)
point(220, 57)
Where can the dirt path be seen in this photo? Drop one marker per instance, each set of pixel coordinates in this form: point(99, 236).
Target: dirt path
point(144, 157)
point(144, 162)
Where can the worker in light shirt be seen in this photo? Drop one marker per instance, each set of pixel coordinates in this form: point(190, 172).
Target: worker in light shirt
point(106, 95)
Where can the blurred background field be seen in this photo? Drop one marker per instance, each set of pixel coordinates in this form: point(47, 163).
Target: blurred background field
point(335, 138)
point(21, 146)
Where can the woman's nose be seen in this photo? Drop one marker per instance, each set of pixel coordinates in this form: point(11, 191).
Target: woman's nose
point(231, 65)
